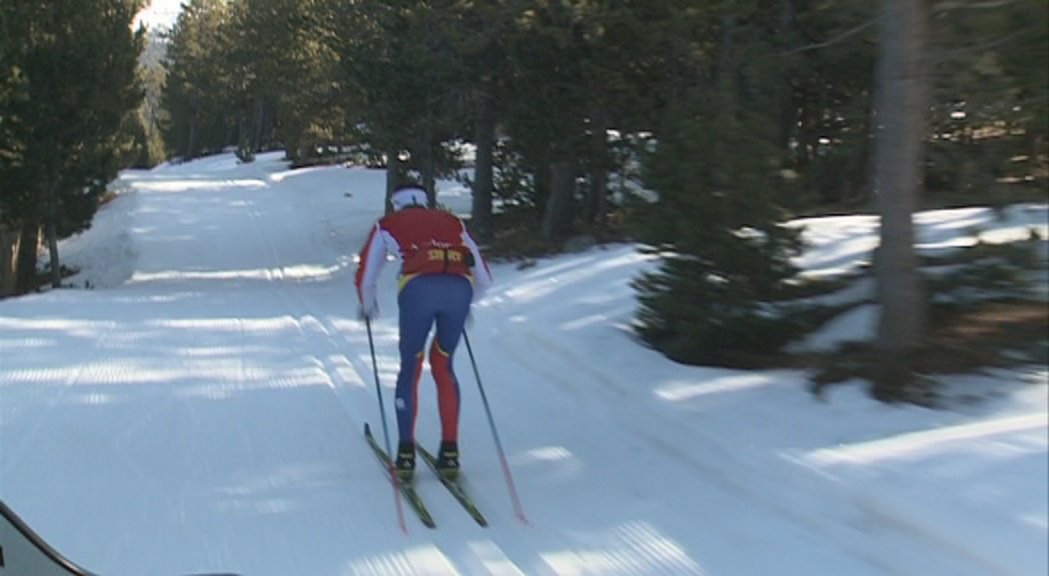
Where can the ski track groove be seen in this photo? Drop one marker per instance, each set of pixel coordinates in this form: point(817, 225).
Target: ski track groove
point(819, 517)
point(709, 468)
point(53, 401)
point(298, 309)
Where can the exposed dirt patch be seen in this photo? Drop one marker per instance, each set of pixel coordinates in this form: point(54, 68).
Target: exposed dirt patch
point(991, 334)
point(962, 341)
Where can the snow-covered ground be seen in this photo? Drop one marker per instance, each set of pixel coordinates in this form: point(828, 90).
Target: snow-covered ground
point(200, 410)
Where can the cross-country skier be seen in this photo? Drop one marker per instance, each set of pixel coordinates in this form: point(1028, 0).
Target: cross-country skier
point(442, 273)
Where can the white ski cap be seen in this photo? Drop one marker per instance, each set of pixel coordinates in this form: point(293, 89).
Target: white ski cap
point(408, 196)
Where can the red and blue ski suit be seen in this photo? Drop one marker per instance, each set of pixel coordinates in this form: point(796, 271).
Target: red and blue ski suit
point(442, 273)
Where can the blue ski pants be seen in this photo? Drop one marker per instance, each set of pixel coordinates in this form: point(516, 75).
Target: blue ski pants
point(424, 301)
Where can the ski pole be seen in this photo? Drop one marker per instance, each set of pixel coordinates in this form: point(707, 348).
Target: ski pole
point(385, 429)
point(495, 435)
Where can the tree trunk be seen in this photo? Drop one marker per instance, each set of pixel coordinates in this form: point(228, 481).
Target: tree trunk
point(256, 134)
point(788, 102)
point(484, 167)
point(557, 219)
point(8, 260)
point(541, 173)
point(902, 86)
point(52, 235)
point(597, 192)
point(194, 122)
point(25, 263)
point(426, 169)
point(393, 174)
point(598, 204)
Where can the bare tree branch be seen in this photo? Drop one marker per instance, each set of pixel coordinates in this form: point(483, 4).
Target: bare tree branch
point(947, 6)
point(835, 39)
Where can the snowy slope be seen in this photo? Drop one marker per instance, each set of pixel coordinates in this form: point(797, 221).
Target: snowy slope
point(201, 410)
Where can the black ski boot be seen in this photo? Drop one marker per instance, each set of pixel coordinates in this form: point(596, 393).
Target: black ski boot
point(448, 460)
point(405, 462)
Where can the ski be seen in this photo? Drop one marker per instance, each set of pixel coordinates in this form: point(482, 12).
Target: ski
point(406, 488)
point(454, 487)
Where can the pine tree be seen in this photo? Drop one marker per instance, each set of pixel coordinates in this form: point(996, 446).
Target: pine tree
point(198, 91)
point(724, 251)
point(724, 254)
point(149, 149)
point(12, 89)
point(79, 58)
point(270, 42)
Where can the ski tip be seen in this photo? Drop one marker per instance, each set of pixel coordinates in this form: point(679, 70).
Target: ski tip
point(367, 429)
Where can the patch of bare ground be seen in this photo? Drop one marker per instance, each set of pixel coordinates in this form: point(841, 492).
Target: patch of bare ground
point(962, 340)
